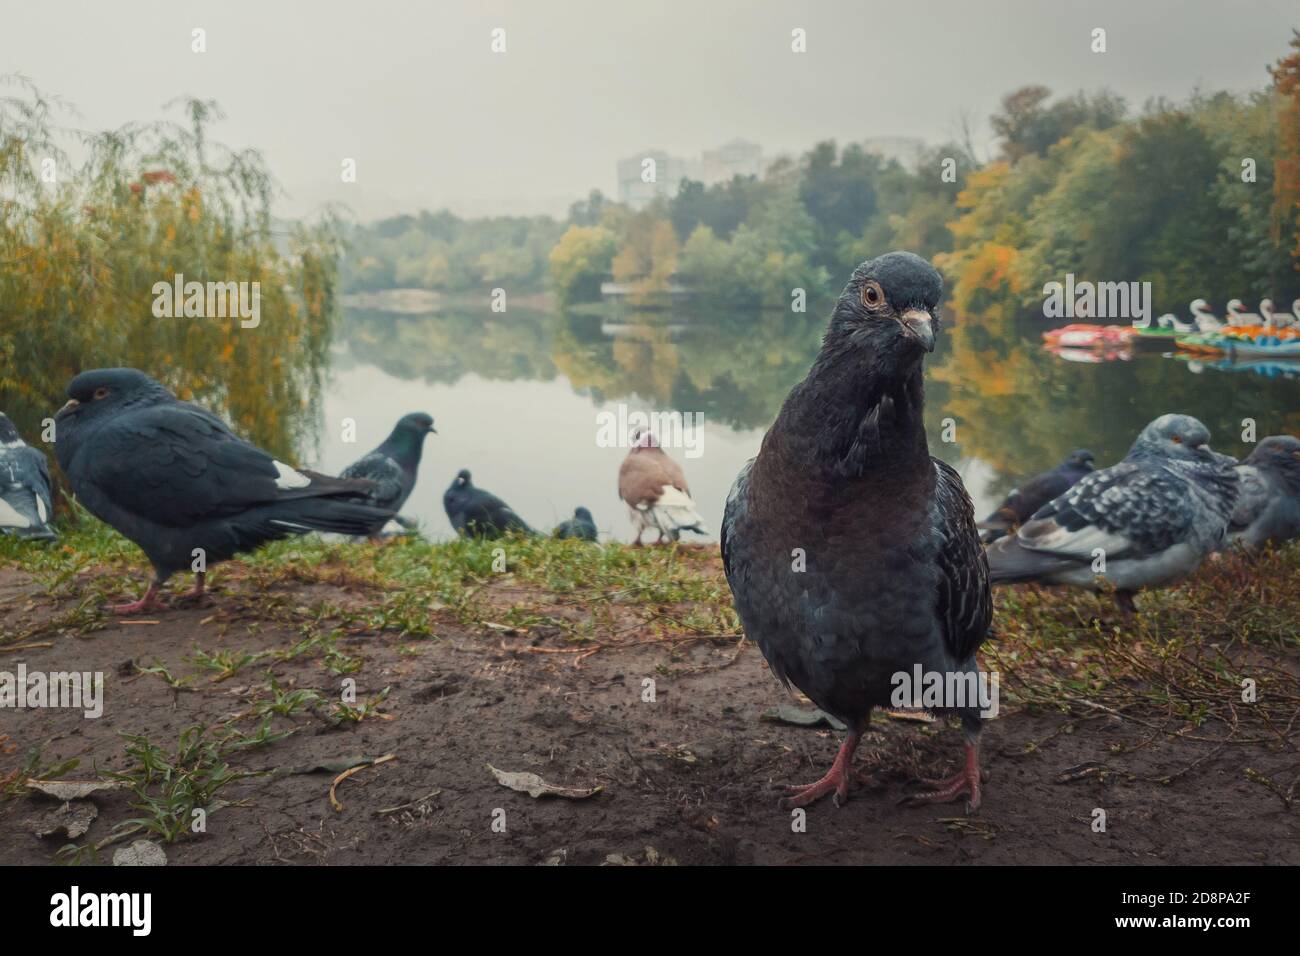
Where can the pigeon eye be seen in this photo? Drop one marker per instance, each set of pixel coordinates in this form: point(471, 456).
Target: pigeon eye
point(872, 296)
point(1177, 439)
point(101, 392)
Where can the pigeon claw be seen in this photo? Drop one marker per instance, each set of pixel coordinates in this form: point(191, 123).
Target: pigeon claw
point(835, 783)
point(148, 602)
point(965, 783)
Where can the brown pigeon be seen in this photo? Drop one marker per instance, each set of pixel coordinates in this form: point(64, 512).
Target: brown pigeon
point(654, 489)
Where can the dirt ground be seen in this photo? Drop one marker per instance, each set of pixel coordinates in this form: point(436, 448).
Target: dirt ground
point(691, 777)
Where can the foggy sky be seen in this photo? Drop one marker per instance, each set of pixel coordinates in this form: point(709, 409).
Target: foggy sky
point(435, 119)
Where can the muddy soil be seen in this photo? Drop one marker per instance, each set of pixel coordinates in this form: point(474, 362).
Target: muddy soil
point(691, 777)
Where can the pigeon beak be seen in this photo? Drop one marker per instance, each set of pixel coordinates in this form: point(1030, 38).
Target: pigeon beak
point(918, 324)
point(433, 430)
point(68, 406)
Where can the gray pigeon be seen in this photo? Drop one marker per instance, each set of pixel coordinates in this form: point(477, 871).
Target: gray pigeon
point(25, 505)
point(1268, 509)
point(177, 481)
point(1145, 522)
point(852, 554)
point(393, 465)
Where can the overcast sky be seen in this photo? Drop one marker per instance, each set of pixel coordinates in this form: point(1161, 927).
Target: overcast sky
point(434, 118)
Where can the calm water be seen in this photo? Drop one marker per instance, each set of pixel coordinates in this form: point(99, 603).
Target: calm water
point(516, 398)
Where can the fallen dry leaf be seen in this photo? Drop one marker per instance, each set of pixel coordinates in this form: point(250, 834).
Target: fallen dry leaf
point(535, 786)
point(66, 790)
point(74, 819)
point(140, 853)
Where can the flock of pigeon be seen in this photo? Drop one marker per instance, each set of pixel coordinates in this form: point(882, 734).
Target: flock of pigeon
point(852, 554)
point(173, 478)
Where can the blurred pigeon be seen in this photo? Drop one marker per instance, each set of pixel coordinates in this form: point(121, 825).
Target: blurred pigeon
point(178, 482)
point(25, 505)
point(581, 526)
point(1036, 492)
point(476, 513)
point(852, 554)
point(1145, 522)
point(654, 488)
point(1268, 508)
point(393, 465)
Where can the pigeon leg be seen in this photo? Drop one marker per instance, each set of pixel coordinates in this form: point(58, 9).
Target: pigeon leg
point(197, 594)
point(966, 782)
point(148, 602)
point(836, 780)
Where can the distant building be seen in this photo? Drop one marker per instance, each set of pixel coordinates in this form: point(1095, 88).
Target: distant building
point(736, 158)
point(905, 149)
point(739, 157)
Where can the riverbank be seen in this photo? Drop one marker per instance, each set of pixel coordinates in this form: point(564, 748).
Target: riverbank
point(241, 709)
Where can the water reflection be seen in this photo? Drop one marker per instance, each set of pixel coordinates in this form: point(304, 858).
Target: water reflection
point(516, 397)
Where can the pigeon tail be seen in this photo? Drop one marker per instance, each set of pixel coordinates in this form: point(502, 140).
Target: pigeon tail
point(303, 515)
point(675, 512)
point(1010, 563)
point(22, 514)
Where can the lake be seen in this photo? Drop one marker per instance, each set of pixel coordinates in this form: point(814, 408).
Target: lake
point(518, 396)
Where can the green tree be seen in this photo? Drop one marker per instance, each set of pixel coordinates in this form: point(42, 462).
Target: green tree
point(579, 261)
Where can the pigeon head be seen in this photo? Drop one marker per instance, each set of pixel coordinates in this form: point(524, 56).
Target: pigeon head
point(889, 307)
point(1080, 458)
point(582, 514)
point(1280, 455)
point(407, 438)
point(8, 434)
point(1180, 437)
point(644, 438)
point(101, 391)
point(416, 423)
point(462, 479)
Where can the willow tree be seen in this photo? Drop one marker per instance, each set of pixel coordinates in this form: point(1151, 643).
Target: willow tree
point(90, 223)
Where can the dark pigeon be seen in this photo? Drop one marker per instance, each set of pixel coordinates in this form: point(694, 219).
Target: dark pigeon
point(1268, 508)
point(394, 464)
point(1036, 492)
point(476, 513)
point(852, 554)
point(25, 503)
point(581, 526)
point(173, 478)
point(1153, 518)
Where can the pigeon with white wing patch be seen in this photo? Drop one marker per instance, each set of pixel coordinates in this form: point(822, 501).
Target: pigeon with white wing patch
point(1145, 522)
point(177, 481)
point(654, 488)
point(25, 503)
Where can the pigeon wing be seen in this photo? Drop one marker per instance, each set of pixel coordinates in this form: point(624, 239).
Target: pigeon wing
point(385, 473)
point(1132, 508)
point(177, 464)
point(964, 601)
